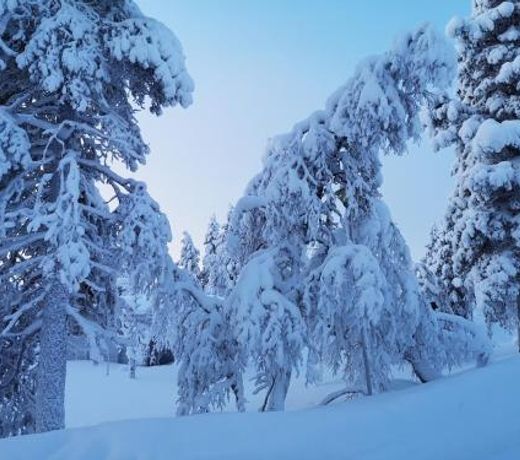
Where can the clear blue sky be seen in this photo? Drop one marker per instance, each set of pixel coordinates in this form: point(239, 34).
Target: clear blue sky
point(259, 67)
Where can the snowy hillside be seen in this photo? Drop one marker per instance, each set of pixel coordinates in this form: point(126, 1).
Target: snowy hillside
point(475, 415)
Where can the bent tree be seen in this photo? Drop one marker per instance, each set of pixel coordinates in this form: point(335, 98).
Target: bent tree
point(346, 273)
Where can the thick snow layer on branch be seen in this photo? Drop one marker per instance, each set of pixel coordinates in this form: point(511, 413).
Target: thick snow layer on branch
point(509, 71)
point(356, 261)
point(493, 137)
point(14, 145)
point(150, 45)
point(486, 180)
point(483, 21)
point(377, 107)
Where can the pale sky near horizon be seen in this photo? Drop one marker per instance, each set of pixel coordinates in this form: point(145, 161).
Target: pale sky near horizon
point(261, 66)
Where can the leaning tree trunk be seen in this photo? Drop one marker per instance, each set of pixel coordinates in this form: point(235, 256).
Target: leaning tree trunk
point(237, 387)
point(421, 366)
point(275, 397)
point(424, 371)
point(52, 362)
point(366, 362)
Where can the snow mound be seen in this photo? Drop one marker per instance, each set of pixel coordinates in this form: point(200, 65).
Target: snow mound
point(473, 416)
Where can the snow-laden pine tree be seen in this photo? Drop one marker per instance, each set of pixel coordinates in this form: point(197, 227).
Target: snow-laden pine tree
point(475, 253)
point(199, 331)
point(268, 324)
point(231, 266)
point(217, 267)
point(212, 242)
point(142, 237)
point(358, 341)
point(72, 74)
point(317, 202)
point(200, 328)
point(189, 259)
point(211, 359)
point(134, 326)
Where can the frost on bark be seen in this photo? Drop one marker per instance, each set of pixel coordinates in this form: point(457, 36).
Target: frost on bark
point(52, 365)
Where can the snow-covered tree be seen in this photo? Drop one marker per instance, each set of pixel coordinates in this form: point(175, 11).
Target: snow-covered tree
point(435, 273)
point(216, 276)
point(318, 196)
point(478, 245)
point(227, 255)
point(201, 334)
point(212, 242)
point(256, 324)
point(134, 326)
point(142, 235)
point(220, 269)
point(72, 74)
point(269, 325)
point(358, 330)
point(211, 360)
point(190, 256)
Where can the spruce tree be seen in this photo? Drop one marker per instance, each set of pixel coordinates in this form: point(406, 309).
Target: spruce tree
point(211, 243)
point(216, 275)
point(478, 261)
point(190, 257)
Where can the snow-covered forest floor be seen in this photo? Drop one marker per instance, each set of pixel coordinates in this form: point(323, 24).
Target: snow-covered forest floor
point(153, 393)
point(474, 414)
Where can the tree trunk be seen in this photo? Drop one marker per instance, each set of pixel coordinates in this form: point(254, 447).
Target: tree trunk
point(275, 397)
point(237, 388)
point(131, 364)
point(422, 369)
point(52, 362)
point(366, 361)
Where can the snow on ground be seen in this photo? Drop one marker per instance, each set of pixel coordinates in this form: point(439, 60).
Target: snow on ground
point(93, 397)
point(471, 416)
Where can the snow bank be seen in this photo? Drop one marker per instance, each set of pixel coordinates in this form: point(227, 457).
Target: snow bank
point(473, 416)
